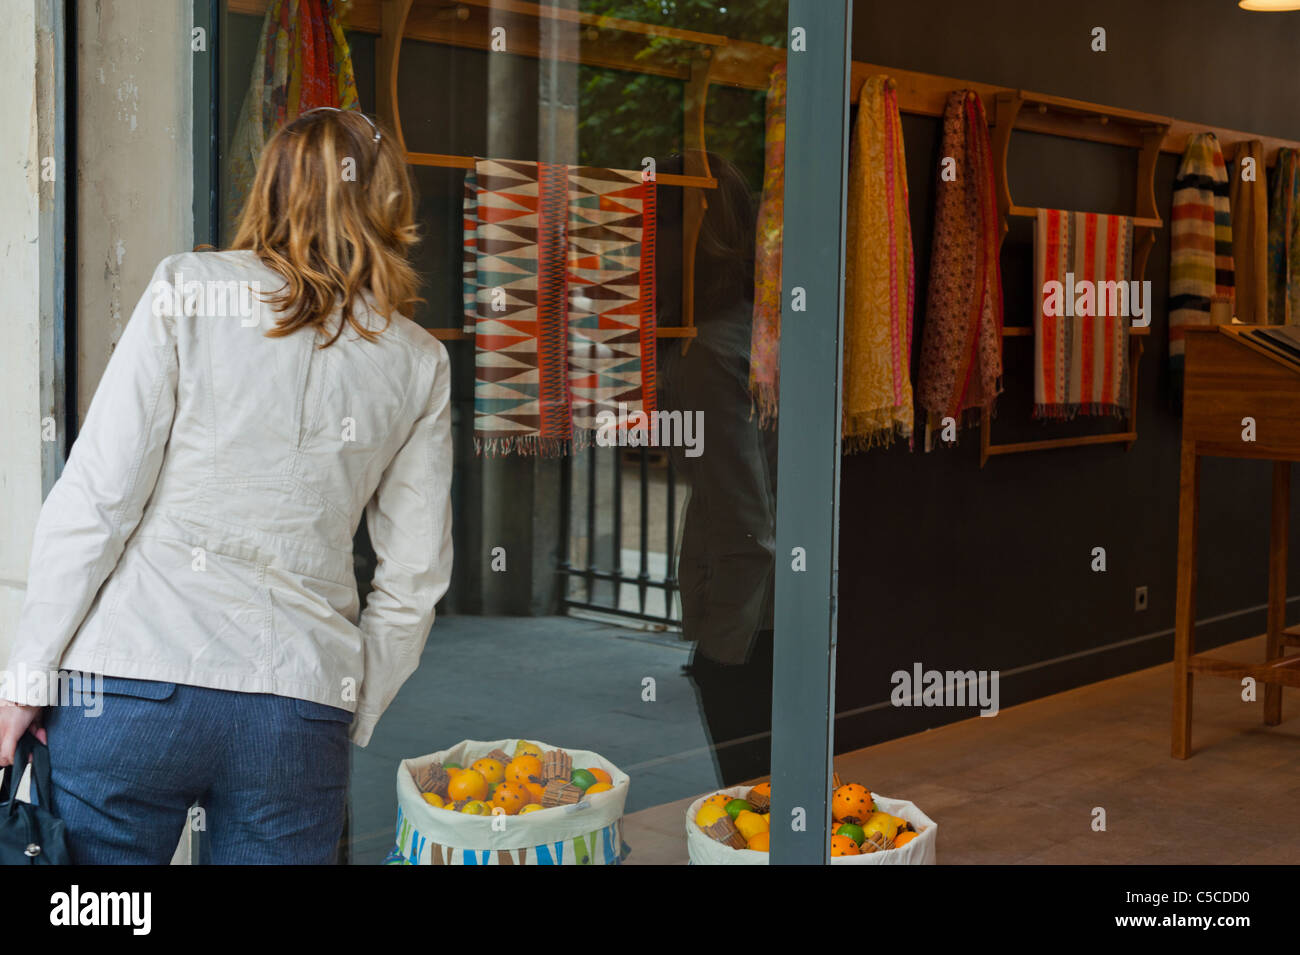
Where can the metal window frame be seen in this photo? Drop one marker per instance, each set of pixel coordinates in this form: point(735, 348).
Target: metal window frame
point(808, 448)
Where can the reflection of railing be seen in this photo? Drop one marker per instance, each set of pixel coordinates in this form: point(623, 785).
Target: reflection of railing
point(594, 563)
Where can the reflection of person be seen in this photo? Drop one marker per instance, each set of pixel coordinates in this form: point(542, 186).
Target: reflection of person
point(725, 564)
point(197, 551)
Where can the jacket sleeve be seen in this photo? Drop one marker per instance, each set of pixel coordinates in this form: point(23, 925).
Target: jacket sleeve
point(98, 500)
point(409, 519)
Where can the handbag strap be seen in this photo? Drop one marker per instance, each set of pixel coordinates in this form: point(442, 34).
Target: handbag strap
point(29, 746)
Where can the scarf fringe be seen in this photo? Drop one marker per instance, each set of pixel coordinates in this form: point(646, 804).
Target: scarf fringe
point(879, 438)
point(532, 445)
point(764, 402)
point(1068, 412)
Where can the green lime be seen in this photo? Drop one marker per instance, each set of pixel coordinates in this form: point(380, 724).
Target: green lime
point(854, 832)
point(452, 766)
point(582, 779)
point(737, 806)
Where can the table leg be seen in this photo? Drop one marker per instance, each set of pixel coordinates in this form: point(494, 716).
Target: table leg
point(1277, 552)
point(1185, 601)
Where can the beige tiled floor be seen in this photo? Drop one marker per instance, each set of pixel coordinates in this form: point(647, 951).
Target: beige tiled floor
point(1022, 786)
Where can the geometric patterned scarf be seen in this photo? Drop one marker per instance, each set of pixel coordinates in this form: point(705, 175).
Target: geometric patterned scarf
point(961, 348)
point(302, 62)
point(1081, 343)
point(879, 282)
point(558, 288)
point(1200, 249)
point(1284, 241)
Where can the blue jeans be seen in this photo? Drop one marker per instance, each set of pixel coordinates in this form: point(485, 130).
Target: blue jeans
point(271, 773)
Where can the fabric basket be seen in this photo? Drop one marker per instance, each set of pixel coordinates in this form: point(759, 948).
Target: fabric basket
point(589, 832)
point(920, 851)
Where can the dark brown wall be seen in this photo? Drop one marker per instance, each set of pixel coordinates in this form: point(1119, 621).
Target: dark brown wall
point(962, 568)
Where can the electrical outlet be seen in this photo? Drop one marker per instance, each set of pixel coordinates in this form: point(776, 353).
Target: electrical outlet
point(1140, 599)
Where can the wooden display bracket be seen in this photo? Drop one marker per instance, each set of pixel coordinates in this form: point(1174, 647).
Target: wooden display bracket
point(1067, 116)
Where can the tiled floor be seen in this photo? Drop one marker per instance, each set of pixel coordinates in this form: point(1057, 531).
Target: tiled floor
point(1023, 786)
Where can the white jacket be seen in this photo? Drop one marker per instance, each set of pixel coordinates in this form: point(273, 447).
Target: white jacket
point(201, 532)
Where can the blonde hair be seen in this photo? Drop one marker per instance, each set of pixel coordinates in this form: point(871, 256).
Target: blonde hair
point(332, 228)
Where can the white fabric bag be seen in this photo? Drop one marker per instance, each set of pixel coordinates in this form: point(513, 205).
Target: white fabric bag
point(587, 833)
point(920, 851)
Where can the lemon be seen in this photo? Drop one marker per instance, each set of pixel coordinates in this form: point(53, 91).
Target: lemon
point(531, 807)
point(750, 824)
point(709, 814)
point(883, 823)
point(525, 748)
point(433, 799)
point(475, 807)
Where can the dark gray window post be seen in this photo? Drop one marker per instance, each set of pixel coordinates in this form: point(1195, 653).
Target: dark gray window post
point(812, 323)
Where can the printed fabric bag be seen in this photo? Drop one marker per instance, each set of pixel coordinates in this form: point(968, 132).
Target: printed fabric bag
point(920, 851)
point(30, 833)
point(590, 832)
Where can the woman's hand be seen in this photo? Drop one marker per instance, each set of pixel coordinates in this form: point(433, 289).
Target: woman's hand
point(15, 720)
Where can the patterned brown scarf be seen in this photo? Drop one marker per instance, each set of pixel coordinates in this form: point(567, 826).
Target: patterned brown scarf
point(961, 349)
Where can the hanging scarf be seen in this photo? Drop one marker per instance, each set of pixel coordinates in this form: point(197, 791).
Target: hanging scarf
point(1081, 330)
point(302, 62)
point(879, 289)
point(961, 349)
point(560, 299)
point(1284, 241)
point(1249, 234)
point(1200, 248)
point(765, 341)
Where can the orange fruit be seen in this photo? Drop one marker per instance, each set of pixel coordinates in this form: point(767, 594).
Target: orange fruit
point(758, 842)
point(534, 791)
point(851, 803)
point(762, 789)
point(721, 799)
point(468, 784)
point(510, 797)
point(844, 846)
point(601, 775)
point(599, 788)
point(903, 838)
point(493, 770)
point(523, 770)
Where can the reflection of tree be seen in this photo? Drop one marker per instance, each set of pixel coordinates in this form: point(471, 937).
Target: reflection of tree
point(624, 116)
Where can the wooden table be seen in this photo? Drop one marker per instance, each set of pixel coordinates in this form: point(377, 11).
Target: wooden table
point(1227, 378)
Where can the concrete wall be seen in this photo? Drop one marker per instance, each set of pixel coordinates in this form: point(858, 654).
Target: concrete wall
point(20, 460)
point(135, 165)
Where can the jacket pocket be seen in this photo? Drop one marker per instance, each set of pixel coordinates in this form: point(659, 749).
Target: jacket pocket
point(310, 710)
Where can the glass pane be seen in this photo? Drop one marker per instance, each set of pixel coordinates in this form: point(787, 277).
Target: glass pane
point(613, 389)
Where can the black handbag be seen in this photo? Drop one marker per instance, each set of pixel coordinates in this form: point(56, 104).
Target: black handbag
point(30, 833)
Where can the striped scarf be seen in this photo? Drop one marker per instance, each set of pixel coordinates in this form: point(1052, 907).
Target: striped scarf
point(879, 289)
point(1081, 325)
point(1284, 241)
point(961, 348)
point(1200, 247)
